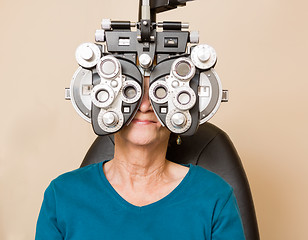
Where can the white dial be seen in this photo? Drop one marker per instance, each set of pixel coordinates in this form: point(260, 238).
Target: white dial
point(88, 55)
point(178, 119)
point(110, 119)
point(203, 56)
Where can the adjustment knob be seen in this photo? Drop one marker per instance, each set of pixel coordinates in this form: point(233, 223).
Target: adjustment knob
point(145, 60)
point(204, 54)
point(100, 35)
point(106, 24)
point(88, 55)
point(194, 37)
point(110, 119)
point(178, 120)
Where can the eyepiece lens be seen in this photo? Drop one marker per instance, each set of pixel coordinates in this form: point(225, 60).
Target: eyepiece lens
point(130, 92)
point(160, 92)
point(102, 96)
point(108, 67)
point(184, 98)
point(183, 69)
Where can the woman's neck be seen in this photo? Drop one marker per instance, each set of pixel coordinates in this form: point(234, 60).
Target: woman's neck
point(138, 166)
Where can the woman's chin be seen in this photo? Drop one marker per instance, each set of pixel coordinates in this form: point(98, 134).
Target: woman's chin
point(141, 134)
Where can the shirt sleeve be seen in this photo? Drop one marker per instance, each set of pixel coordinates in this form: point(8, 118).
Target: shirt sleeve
point(47, 226)
point(227, 222)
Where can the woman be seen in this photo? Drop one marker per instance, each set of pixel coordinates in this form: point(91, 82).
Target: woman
point(139, 194)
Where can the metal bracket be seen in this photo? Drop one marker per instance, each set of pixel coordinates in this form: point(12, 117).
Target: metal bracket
point(67, 94)
point(225, 96)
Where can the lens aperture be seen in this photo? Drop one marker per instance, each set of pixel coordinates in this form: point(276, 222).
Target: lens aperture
point(183, 69)
point(130, 92)
point(102, 96)
point(160, 92)
point(108, 67)
point(184, 98)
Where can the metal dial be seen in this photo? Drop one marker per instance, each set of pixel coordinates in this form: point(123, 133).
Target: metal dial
point(203, 56)
point(102, 96)
point(131, 91)
point(183, 69)
point(184, 98)
point(108, 67)
point(88, 55)
point(159, 92)
point(110, 121)
point(178, 121)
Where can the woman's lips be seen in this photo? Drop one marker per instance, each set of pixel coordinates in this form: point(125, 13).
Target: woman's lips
point(143, 122)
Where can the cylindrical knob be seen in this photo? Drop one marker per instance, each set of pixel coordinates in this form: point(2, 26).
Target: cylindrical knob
point(110, 119)
point(145, 60)
point(145, 10)
point(178, 120)
point(204, 54)
point(175, 84)
point(106, 24)
point(86, 53)
point(114, 84)
point(185, 25)
point(100, 35)
point(194, 37)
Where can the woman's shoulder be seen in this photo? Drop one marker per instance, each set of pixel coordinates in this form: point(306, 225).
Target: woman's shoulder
point(207, 181)
point(77, 176)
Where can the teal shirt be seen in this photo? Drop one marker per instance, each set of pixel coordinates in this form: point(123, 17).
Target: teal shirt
point(83, 205)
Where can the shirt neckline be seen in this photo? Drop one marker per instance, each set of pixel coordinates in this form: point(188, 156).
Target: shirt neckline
point(161, 202)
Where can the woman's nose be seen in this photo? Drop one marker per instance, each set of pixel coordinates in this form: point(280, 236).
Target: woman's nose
point(145, 102)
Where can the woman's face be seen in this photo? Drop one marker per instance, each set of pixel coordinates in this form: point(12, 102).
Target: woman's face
point(145, 128)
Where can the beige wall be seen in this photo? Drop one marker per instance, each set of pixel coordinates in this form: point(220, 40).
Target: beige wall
point(262, 48)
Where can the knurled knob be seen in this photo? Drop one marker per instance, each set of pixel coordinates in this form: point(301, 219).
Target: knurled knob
point(194, 37)
point(204, 54)
point(100, 35)
point(178, 120)
point(86, 53)
point(145, 60)
point(106, 24)
point(110, 119)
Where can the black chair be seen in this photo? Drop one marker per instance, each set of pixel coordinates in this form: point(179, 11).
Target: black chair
point(210, 148)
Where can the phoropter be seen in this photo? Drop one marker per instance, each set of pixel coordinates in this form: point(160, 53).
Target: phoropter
point(107, 88)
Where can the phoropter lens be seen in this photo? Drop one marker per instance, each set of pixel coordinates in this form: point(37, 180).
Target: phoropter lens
point(102, 96)
point(160, 92)
point(184, 98)
point(108, 67)
point(183, 69)
point(130, 92)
